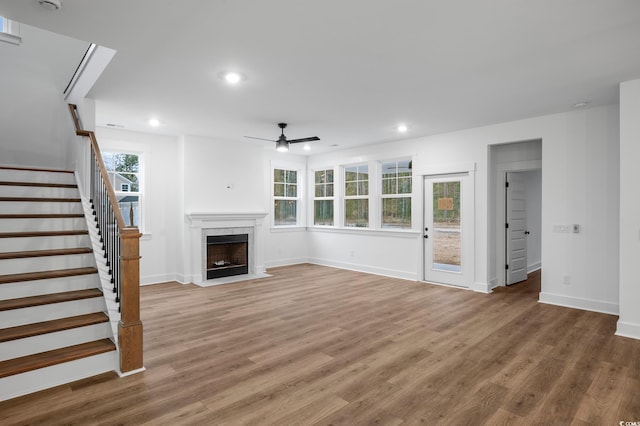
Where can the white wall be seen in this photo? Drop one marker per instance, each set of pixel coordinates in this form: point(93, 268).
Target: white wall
point(580, 162)
point(629, 322)
point(162, 199)
point(36, 125)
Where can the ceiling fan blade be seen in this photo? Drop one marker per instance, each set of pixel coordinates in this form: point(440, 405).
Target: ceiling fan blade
point(311, 139)
point(260, 139)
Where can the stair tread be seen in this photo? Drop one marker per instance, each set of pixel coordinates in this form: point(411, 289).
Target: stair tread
point(37, 184)
point(42, 253)
point(41, 199)
point(43, 233)
point(42, 275)
point(35, 169)
point(35, 329)
point(57, 356)
point(46, 299)
point(41, 216)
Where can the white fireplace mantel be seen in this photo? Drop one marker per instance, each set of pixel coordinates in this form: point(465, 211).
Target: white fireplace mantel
point(202, 224)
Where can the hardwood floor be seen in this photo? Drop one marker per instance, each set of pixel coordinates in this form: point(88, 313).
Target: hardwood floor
point(315, 345)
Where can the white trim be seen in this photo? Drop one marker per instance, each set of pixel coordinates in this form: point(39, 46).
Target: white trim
point(392, 273)
point(280, 229)
point(385, 232)
point(444, 169)
point(130, 373)
point(481, 287)
point(10, 38)
point(286, 262)
point(157, 279)
point(534, 267)
point(579, 303)
point(627, 329)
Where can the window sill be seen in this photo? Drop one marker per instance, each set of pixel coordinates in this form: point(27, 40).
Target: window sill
point(10, 38)
point(409, 233)
point(296, 228)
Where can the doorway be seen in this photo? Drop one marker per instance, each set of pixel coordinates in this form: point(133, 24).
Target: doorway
point(449, 229)
point(520, 162)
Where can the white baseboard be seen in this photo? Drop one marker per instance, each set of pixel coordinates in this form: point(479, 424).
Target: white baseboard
point(411, 276)
point(534, 267)
point(481, 287)
point(285, 262)
point(628, 329)
point(157, 279)
point(579, 303)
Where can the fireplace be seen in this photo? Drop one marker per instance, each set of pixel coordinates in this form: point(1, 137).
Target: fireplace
point(227, 255)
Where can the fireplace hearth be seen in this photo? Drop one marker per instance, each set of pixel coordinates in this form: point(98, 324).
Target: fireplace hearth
point(227, 255)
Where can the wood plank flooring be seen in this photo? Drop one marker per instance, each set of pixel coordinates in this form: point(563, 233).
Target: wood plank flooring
point(316, 345)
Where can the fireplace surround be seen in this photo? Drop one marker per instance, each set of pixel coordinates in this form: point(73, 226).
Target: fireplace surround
point(204, 225)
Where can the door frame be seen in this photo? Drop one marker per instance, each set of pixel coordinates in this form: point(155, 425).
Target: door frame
point(420, 173)
point(501, 211)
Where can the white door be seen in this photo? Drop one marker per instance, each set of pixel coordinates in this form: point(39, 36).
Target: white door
point(449, 229)
point(516, 229)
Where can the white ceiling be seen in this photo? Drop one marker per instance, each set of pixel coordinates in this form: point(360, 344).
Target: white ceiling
point(347, 71)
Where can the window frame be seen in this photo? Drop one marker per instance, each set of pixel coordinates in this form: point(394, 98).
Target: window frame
point(298, 198)
point(141, 183)
point(332, 198)
point(10, 31)
point(358, 196)
point(396, 195)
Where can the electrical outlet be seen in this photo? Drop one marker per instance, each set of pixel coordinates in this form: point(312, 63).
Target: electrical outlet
point(566, 280)
point(352, 253)
point(576, 228)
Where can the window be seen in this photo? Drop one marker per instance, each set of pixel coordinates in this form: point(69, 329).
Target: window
point(323, 198)
point(285, 197)
point(396, 194)
point(356, 196)
point(9, 31)
point(124, 173)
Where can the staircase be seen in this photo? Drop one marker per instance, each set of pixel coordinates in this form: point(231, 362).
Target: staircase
point(53, 325)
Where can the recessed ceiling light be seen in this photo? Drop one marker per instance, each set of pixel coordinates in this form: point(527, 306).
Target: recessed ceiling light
point(402, 128)
point(307, 147)
point(581, 104)
point(232, 77)
point(154, 122)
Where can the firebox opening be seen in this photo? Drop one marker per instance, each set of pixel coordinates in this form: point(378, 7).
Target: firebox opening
point(227, 255)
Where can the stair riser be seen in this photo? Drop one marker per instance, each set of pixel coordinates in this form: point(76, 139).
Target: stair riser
point(26, 207)
point(46, 342)
point(53, 311)
point(46, 224)
point(43, 243)
point(49, 286)
point(31, 176)
point(47, 263)
point(44, 378)
point(37, 191)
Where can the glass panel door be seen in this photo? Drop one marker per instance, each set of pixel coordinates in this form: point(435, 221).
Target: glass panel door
point(448, 230)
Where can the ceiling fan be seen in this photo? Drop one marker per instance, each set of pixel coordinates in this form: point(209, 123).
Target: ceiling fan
point(282, 143)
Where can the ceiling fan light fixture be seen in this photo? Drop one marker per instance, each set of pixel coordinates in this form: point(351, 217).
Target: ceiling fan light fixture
point(282, 146)
point(402, 128)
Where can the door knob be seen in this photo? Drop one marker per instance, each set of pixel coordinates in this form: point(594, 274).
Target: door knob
point(526, 232)
point(426, 236)
point(426, 229)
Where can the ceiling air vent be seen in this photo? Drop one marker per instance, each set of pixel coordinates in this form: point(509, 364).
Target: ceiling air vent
point(50, 4)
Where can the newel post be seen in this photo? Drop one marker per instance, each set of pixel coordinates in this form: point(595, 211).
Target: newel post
point(130, 326)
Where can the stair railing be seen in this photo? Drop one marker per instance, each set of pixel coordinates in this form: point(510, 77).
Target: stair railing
point(121, 247)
